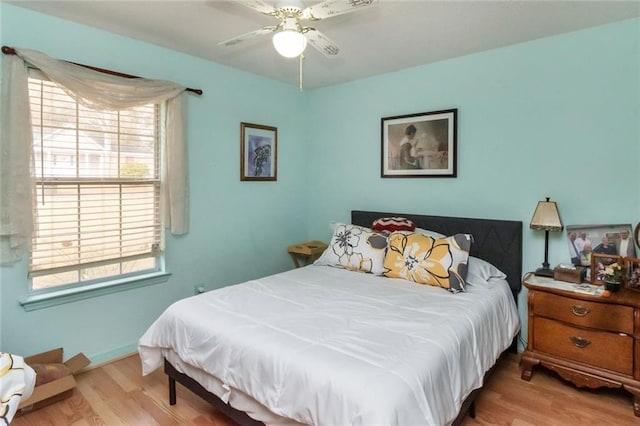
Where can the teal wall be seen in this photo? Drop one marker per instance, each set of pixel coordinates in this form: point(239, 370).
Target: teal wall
point(239, 230)
point(557, 117)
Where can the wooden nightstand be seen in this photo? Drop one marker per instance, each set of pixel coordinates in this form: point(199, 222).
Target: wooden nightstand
point(591, 341)
point(306, 252)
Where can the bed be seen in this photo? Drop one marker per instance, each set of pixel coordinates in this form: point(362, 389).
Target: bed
point(324, 345)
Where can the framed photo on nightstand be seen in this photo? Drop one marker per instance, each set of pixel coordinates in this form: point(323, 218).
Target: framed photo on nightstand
point(632, 266)
point(583, 240)
point(599, 262)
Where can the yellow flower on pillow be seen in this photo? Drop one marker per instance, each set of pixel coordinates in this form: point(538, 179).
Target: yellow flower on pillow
point(426, 263)
point(440, 262)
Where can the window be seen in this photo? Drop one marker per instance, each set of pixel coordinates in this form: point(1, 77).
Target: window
point(97, 210)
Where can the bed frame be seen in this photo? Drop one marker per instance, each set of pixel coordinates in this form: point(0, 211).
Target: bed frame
point(499, 242)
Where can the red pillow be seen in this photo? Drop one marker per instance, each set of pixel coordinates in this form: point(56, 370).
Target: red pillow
point(393, 224)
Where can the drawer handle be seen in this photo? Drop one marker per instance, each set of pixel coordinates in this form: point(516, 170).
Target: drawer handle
point(580, 311)
point(580, 342)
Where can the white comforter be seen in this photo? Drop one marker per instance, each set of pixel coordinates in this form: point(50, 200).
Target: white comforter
point(327, 346)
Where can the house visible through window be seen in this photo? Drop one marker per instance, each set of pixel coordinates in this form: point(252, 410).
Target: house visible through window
point(98, 190)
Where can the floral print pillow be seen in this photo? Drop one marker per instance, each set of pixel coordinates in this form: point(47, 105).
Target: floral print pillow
point(440, 262)
point(355, 248)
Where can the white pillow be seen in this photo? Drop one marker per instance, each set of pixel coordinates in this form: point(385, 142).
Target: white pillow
point(355, 248)
point(476, 266)
point(428, 233)
point(483, 270)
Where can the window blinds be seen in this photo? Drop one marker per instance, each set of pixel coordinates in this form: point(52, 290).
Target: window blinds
point(98, 188)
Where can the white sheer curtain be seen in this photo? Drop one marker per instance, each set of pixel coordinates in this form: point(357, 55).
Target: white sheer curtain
point(95, 90)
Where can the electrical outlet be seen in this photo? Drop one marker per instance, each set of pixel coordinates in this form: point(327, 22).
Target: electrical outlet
point(198, 289)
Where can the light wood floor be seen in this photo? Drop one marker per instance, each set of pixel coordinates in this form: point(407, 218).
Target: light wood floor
point(117, 394)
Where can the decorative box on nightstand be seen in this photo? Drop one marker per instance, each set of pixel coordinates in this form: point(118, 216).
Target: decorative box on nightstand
point(591, 341)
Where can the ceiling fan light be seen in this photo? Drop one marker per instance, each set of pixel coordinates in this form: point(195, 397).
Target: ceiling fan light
point(289, 43)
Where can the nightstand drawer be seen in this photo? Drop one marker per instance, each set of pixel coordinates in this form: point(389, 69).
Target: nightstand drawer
point(601, 349)
point(602, 316)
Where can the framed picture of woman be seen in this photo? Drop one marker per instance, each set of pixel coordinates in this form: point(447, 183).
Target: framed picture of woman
point(419, 145)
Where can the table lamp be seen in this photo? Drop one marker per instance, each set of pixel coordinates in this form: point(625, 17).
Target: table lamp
point(546, 218)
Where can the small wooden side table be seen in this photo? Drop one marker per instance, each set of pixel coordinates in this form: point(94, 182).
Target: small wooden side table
point(306, 252)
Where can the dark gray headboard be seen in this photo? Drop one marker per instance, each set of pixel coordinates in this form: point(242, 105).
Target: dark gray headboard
point(499, 242)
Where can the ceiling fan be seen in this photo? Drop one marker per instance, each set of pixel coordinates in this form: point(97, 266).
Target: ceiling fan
point(291, 36)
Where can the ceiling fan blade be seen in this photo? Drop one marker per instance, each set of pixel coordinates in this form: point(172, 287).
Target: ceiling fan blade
point(330, 8)
point(321, 42)
point(258, 5)
point(264, 30)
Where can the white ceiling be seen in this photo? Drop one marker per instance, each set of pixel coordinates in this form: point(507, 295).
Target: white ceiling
point(389, 36)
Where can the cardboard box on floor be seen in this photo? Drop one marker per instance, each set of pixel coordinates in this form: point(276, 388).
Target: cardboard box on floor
point(55, 390)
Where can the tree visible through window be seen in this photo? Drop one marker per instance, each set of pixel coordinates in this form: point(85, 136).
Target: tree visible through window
point(98, 190)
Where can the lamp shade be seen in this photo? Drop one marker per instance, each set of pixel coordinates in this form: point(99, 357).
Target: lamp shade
point(289, 43)
point(546, 217)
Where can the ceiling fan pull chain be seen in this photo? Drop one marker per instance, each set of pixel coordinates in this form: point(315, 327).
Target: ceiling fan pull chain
point(301, 75)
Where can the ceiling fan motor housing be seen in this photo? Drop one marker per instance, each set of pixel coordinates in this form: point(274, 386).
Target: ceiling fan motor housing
point(289, 12)
point(291, 24)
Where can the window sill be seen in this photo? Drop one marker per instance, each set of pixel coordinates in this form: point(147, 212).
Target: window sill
point(53, 298)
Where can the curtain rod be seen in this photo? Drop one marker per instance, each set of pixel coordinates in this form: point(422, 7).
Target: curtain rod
point(11, 51)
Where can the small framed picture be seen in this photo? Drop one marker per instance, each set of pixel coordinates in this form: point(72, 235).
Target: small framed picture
point(632, 266)
point(599, 263)
point(420, 145)
point(258, 152)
